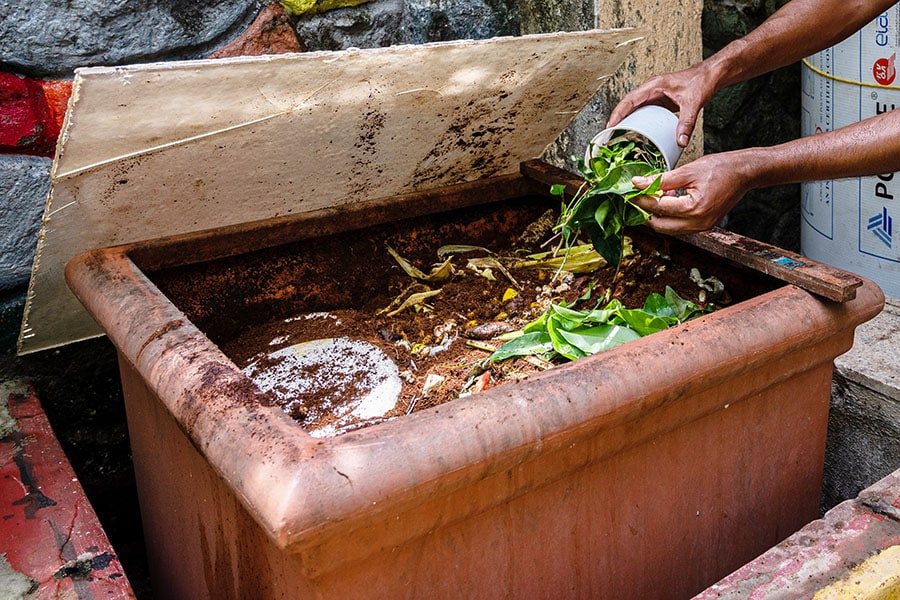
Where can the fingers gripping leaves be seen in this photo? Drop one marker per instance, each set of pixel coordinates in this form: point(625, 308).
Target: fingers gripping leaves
point(603, 205)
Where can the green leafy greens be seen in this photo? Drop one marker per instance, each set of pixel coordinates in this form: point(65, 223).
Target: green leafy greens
point(603, 205)
point(572, 334)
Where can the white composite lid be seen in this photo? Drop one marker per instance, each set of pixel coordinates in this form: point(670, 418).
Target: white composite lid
point(155, 150)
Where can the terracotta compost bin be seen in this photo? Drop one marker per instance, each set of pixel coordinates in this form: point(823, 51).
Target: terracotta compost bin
point(647, 471)
point(228, 196)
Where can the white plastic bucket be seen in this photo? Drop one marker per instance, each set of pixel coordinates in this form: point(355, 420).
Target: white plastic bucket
point(655, 123)
point(848, 223)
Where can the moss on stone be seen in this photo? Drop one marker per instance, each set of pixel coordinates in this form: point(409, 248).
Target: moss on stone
point(299, 7)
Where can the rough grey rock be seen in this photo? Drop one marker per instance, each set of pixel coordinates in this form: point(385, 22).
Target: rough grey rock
point(576, 137)
point(24, 184)
point(538, 16)
point(761, 112)
point(50, 39)
point(371, 25)
point(455, 20)
point(391, 22)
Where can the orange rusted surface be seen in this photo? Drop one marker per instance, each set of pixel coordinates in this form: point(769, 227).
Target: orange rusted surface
point(648, 471)
point(272, 32)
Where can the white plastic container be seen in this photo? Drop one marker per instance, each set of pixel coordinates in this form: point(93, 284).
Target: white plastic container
point(655, 123)
point(848, 223)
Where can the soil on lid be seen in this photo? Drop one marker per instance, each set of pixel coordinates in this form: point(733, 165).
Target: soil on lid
point(469, 308)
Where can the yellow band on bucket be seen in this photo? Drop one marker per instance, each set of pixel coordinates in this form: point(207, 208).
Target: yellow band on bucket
point(850, 81)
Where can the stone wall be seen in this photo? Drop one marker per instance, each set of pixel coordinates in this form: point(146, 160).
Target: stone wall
point(760, 112)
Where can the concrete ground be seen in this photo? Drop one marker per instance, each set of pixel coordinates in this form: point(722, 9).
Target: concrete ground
point(864, 427)
point(852, 553)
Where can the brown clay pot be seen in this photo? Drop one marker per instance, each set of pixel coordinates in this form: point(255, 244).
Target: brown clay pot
point(648, 471)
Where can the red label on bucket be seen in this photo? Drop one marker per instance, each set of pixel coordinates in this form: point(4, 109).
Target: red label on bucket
point(883, 70)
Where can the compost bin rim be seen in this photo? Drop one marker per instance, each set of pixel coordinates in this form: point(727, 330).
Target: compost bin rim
point(163, 346)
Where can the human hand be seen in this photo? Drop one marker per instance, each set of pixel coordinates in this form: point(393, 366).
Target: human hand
point(684, 92)
point(696, 195)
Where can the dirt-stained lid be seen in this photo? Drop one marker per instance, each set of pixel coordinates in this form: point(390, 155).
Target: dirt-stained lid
point(155, 150)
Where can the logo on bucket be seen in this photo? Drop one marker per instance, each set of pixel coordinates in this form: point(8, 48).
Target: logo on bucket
point(883, 70)
point(882, 225)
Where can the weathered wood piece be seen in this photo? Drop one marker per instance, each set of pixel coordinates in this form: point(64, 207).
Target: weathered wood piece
point(813, 276)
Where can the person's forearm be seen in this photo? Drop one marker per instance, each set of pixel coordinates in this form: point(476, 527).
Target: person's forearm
point(870, 147)
point(800, 28)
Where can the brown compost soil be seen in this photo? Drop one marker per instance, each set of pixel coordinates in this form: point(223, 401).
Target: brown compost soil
point(469, 310)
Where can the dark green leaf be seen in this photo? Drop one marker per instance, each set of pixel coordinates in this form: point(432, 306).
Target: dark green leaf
point(643, 322)
point(610, 248)
point(635, 215)
point(557, 332)
point(601, 213)
point(528, 344)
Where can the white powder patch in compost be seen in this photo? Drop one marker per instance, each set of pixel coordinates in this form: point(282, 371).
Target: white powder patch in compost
point(335, 383)
point(313, 315)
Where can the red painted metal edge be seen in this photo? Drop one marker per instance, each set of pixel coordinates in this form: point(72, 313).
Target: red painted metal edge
point(53, 543)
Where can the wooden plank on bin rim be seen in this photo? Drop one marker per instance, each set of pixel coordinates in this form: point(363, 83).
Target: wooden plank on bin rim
point(810, 275)
point(818, 278)
point(166, 149)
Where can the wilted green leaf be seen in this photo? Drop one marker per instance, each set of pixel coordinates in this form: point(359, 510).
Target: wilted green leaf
point(460, 249)
point(413, 300)
point(582, 258)
point(529, 344)
point(684, 309)
point(439, 273)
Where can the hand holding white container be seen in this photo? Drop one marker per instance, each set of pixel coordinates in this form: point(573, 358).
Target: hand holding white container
point(654, 123)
